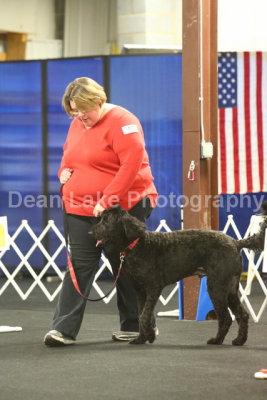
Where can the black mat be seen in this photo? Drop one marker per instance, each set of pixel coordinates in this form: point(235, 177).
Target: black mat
point(179, 365)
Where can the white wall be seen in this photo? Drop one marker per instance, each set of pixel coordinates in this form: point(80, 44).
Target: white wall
point(36, 17)
point(150, 22)
point(38, 49)
point(242, 25)
point(90, 27)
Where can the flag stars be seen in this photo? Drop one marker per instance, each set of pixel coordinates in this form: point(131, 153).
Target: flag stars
point(227, 82)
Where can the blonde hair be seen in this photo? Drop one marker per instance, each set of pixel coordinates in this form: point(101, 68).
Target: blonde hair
point(86, 93)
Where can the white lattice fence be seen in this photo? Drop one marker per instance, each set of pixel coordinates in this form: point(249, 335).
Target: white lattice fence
point(24, 261)
point(253, 270)
point(38, 280)
point(50, 263)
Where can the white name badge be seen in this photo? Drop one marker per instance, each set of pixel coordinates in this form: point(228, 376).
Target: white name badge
point(129, 129)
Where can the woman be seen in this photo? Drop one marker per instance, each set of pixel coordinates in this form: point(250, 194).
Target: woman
point(104, 163)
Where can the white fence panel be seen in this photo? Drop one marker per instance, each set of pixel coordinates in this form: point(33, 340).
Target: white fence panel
point(253, 269)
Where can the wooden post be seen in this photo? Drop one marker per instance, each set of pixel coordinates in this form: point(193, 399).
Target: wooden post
point(199, 210)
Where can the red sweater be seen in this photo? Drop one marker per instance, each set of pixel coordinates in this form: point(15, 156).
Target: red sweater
point(109, 162)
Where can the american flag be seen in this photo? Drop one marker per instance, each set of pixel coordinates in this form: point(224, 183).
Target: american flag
point(242, 99)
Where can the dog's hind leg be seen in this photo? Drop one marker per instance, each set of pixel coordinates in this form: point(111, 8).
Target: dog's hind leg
point(240, 314)
point(140, 297)
point(220, 303)
point(146, 330)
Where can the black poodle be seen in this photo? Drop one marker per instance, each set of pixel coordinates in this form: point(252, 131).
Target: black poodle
point(154, 260)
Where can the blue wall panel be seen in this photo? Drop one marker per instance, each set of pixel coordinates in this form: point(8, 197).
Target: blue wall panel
point(151, 87)
point(21, 149)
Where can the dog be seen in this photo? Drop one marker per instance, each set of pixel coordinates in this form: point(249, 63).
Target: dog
point(154, 260)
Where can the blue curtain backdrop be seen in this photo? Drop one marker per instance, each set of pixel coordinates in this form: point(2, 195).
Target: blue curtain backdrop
point(151, 87)
point(21, 150)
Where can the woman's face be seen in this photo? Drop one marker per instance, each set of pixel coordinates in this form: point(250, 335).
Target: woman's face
point(88, 118)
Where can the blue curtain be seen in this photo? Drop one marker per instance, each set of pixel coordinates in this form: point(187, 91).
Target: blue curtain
point(21, 150)
point(151, 87)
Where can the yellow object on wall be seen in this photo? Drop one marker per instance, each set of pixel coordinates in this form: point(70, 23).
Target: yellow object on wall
point(4, 238)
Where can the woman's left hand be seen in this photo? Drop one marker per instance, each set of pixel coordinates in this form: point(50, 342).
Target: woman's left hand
point(98, 210)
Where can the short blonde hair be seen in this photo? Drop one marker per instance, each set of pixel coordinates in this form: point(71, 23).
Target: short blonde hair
point(86, 93)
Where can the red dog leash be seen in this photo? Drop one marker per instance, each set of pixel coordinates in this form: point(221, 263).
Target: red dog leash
point(74, 279)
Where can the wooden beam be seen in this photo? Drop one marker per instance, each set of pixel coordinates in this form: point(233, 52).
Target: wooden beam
point(209, 167)
point(198, 193)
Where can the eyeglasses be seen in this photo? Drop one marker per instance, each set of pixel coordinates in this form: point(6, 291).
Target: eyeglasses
point(76, 112)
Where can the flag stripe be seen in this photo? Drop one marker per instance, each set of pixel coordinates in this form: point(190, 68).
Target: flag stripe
point(264, 118)
point(241, 124)
point(259, 118)
point(247, 120)
point(236, 150)
point(223, 150)
point(229, 150)
point(253, 123)
point(219, 155)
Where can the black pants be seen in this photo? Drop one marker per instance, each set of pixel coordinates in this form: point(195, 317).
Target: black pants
point(85, 258)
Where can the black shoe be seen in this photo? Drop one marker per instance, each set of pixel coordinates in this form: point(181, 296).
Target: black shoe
point(54, 338)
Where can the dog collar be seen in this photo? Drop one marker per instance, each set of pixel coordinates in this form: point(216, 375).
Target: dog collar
point(130, 247)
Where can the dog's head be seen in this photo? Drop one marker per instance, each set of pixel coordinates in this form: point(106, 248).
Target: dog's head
point(117, 227)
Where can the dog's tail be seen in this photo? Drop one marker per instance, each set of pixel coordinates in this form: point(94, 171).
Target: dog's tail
point(256, 242)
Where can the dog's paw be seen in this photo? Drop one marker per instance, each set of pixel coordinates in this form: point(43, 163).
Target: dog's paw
point(138, 340)
point(151, 337)
point(214, 341)
point(238, 342)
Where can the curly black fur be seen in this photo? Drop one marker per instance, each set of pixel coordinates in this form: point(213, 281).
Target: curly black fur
point(159, 259)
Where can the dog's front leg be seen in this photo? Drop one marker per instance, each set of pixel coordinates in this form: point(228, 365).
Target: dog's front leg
point(146, 330)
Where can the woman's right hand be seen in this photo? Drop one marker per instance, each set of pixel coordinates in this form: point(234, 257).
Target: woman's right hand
point(65, 175)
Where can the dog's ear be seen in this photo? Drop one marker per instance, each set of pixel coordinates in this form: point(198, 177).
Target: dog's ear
point(133, 228)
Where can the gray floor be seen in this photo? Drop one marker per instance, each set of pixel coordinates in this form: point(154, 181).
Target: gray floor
point(179, 365)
